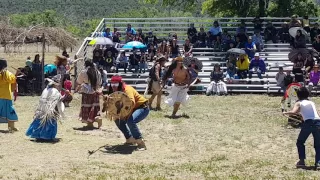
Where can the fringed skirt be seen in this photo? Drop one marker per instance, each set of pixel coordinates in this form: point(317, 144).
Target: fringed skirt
point(90, 108)
point(47, 131)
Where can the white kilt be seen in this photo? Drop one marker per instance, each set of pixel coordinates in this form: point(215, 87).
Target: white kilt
point(178, 94)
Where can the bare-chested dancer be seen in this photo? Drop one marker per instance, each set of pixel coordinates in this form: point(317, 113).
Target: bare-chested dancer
point(181, 82)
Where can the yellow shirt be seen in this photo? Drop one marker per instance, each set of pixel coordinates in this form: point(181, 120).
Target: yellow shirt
point(6, 79)
point(243, 65)
point(134, 96)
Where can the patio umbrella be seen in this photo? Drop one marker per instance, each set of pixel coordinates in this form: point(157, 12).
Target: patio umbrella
point(135, 44)
point(187, 62)
point(101, 41)
point(236, 51)
point(293, 31)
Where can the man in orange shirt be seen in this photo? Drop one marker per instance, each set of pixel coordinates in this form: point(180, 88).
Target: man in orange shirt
point(7, 111)
point(140, 111)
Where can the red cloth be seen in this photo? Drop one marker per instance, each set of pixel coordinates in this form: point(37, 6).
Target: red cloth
point(291, 85)
point(67, 85)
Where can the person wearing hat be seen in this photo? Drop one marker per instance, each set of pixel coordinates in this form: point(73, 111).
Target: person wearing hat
point(314, 77)
point(49, 110)
point(129, 126)
point(181, 82)
point(257, 66)
point(7, 110)
point(156, 82)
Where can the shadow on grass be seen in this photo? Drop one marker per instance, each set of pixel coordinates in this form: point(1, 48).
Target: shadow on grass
point(52, 141)
point(309, 168)
point(119, 149)
point(178, 116)
point(4, 131)
point(85, 128)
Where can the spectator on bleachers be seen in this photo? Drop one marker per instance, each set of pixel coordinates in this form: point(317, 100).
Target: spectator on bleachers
point(174, 50)
point(215, 31)
point(202, 38)
point(283, 33)
point(217, 46)
point(309, 64)
point(141, 34)
point(228, 44)
point(143, 62)
point(97, 55)
point(231, 71)
point(131, 30)
point(138, 37)
point(107, 33)
point(257, 24)
point(300, 40)
point(163, 49)
point(122, 62)
point(243, 66)
point(192, 33)
point(240, 44)
point(216, 86)
point(129, 37)
point(113, 50)
point(151, 40)
point(187, 48)
point(242, 32)
point(258, 41)
point(134, 59)
point(316, 47)
point(298, 64)
point(270, 33)
point(116, 35)
point(306, 23)
point(295, 22)
point(280, 76)
point(151, 52)
point(108, 62)
point(314, 77)
point(257, 66)
point(250, 47)
point(315, 31)
point(225, 37)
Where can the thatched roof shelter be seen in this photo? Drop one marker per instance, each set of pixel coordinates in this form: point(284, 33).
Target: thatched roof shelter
point(53, 36)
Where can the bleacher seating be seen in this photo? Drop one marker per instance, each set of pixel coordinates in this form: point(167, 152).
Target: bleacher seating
point(274, 54)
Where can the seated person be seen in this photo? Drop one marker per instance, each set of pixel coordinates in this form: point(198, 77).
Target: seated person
point(217, 86)
point(231, 71)
point(194, 70)
point(314, 77)
point(250, 47)
point(280, 76)
point(257, 66)
point(122, 62)
point(243, 66)
point(134, 61)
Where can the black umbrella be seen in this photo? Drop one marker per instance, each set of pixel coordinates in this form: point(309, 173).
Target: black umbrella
point(187, 61)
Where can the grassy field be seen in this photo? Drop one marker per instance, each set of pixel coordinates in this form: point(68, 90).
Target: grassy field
point(232, 137)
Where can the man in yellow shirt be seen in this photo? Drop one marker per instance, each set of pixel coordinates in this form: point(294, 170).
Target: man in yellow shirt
point(140, 111)
point(7, 111)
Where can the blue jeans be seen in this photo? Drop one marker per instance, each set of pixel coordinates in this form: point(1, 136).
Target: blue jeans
point(258, 73)
point(129, 127)
point(308, 127)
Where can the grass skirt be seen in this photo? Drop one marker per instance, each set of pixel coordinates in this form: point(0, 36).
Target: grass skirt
point(48, 131)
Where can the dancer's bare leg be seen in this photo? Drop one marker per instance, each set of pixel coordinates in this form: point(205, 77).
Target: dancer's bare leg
point(11, 126)
point(151, 99)
point(159, 100)
point(175, 109)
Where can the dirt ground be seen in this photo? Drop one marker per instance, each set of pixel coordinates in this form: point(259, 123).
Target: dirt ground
point(230, 137)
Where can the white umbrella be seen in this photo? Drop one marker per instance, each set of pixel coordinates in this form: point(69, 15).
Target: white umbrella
point(236, 51)
point(293, 31)
point(101, 41)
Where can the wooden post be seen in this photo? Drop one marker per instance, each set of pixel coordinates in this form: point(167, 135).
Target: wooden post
point(42, 63)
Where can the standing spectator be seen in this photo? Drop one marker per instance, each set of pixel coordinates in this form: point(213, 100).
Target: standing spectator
point(134, 59)
point(314, 77)
point(97, 55)
point(270, 33)
point(258, 66)
point(243, 66)
point(258, 41)
point(280, 76)
point(192, 33)
point(122, 62)
point(217, 86)
point(250, 48)
point(300, 40)
point(175, 52)
point(202, 37)
point(29, 62)
point(187, 48)
point(36, 73)
point(107, 34)
point(163, 49)
point(143, 62)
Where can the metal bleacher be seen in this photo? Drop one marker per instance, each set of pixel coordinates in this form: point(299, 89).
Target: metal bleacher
point(274, 55)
